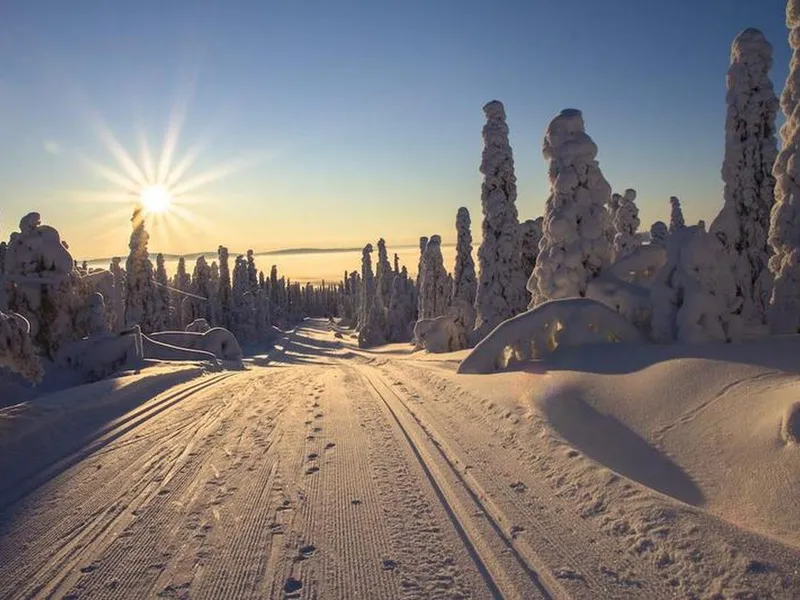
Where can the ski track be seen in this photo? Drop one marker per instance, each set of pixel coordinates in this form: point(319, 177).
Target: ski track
point(328, 474)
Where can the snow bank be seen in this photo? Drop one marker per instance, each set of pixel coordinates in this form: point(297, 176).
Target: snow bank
point(563, 322)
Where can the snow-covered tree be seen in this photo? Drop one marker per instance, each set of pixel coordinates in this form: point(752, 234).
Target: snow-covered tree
point(784, 232)
point(658, 232)
point(162, 294)
point(243, 317)
point(742, 225)
point(224, 293)
point(423, 243)
point(575, 245)
point(383, 274)
point(676, 222)
point(182, 282)
point(433, 282)
point(501, 285)
point(530, 233)
point(626, 224)
point(465, 283)
point(202, 290)
point(116, 303)
point(372, 325)
point(401, 308)
point(141, 303)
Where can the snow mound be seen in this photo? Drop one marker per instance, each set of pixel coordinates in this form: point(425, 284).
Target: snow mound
point(790, 424)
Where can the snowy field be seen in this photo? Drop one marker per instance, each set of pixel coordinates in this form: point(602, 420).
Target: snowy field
point(328, 471)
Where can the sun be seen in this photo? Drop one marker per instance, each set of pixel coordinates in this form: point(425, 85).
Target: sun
point(156, 199)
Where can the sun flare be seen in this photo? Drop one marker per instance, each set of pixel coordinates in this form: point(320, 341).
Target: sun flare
point(156, 199)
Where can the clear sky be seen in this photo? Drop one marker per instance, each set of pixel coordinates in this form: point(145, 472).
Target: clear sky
point(331, 123)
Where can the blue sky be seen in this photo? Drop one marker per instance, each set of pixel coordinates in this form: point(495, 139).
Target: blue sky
point(353, 120)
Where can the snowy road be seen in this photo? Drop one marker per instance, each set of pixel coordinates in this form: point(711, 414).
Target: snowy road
point(326, 474)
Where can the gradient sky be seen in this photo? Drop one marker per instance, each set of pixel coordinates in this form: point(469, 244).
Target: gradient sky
point(346, 121)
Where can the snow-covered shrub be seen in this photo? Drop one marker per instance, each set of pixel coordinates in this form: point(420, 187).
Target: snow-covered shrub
point(16, 348)
point(198, 326)
point(532, 334)
point(401, 308)
point(218, 341)
point(530, 234)
point(141, 303)
point(626, 224)
point(694, 293)
point(575, 244)
point(433, 282)
point(659, 233)
point(784, 232)
point(501, 285)
point(750, 150)
point(441, 334)
point(676, 222)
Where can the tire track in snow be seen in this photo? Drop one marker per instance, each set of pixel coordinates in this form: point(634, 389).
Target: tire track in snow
point(461, 511)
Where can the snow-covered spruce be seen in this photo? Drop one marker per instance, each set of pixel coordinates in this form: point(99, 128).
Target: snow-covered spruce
point(659, 232)
point(44, 284)
point(116, 303)
point(423, 243)
point(676, 221)
point(371, 331)
point(433, 281)
point(750, 150)
point(243, 316)
point(401, 313)
point(626, 224)
point(784, 232)
point(530, 234)
point(575, 244)
point(501, 285)
point(163, 310)
point(465, 283)
point(383, 274)
point(16, 348)
point(224, 293)
point(141, 302)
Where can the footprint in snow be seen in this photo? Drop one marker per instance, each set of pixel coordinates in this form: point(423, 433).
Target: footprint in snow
point(329, 446)
point(311, 470)
point(313, 456)
point(306, 552)
point(292, 587)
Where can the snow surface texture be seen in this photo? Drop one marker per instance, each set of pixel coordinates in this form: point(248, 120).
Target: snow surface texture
point(676, 221)
point(100, 356)
point(562, 322)
point(659, 233)
point(750, 151)
point(501, 286)
point(626, 224)
point(575, 244)
point(16, 349)
point(784, 232)
point(465, 283)
point(433, 281)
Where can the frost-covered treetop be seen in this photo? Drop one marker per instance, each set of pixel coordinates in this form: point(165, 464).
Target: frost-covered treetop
point(566, 139)
point(751, 46)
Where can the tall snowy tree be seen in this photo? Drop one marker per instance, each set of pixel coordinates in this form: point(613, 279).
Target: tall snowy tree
point(383, 273)
point(784, 232)
point(433, 283)
point(423, 243)
point(372, 323)
point(626, 224)
point(141, 304)
point(501, 286)
point(742, 225)
point(224, 287)
point(575, 245)
point(117, 300)
point(465, 282)
point(162, 293)
point(676, 222)
point(203, 289)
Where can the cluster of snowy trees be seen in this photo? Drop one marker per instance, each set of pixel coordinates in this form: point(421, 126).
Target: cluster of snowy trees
point(738, 279)
point(47, 301)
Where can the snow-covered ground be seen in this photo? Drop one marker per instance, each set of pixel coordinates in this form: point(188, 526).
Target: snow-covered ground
point(327, 471)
